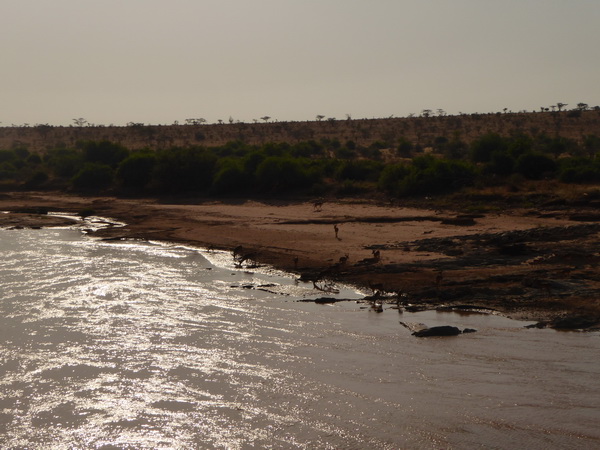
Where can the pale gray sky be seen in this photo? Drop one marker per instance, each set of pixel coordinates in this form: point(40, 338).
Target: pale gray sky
point(157, 61)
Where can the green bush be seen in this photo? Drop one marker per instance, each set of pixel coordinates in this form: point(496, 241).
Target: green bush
point(440, 177)
point(136, 170)
point(579, 170)
point(344, 153)
point(64, 162)
point(7, 171)
point(93, 176)
point(231, 177)
point(359, 170)
point(535, 166)
point(307, 149)
point(555, 145)
point(104, 152)
point(519, 144)
point(405, 148)
point(427, 175)
point(185, 169)
point(280, 174)
point(500, 164)
point(391, 177)
point(34, 159)
point(349, 188)
point(488, 144)
point(7, 156)
point(38, 179)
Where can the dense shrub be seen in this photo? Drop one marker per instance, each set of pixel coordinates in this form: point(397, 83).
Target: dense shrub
point(7, 171)
point(359, 170)
point(64, 162)
point(345, 153)
point(535, 166)
point(349, 188)
point(38, 179)
point(7, 156)
point(440, 176)
point(426, 175)
point(405, 148)
point(483, 148)
point(104, 152)
point(280, 174)
point(307, 149)
point(391, 177)
point(93, 176)
point(231, 177)
point(519, 145)
point(500, 164)
point(184, 169)
point(591, 145)
point(579, 170)
point(136, 170)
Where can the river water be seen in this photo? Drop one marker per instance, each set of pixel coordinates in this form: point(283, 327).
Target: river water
point(146, 345)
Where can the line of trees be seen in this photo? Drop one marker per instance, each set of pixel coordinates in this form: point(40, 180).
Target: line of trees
point(309, 167)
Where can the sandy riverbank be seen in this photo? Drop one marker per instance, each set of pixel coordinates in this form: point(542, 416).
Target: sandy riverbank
point(528, 264)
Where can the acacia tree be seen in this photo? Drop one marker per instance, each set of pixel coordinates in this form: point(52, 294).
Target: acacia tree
point(198, 121)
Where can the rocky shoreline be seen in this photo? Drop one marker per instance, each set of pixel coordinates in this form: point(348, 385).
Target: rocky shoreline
point(539, 266)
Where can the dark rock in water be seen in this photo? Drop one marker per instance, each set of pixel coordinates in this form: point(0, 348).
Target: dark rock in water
point(325, 300)
point(571, 322)
point(415, 308)
point(445, 330)
point(469, 330)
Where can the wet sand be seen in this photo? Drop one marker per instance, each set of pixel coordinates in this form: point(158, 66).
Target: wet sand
point(528, 264)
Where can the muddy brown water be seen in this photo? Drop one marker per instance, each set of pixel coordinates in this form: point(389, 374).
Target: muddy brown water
point(146, 345)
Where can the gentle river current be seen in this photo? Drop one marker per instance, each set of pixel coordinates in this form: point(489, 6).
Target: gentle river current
point(145, 345)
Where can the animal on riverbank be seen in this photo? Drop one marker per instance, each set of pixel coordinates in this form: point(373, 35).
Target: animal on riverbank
point(250, 257)
point(337, 230)
point(374, 260)
point(376, 288)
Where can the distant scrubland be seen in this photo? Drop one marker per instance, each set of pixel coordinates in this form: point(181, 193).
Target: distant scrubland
point(396, 157)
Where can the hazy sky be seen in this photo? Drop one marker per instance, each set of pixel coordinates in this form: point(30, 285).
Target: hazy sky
point(157, 61)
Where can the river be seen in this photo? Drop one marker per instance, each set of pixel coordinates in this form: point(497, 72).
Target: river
point(147, 345)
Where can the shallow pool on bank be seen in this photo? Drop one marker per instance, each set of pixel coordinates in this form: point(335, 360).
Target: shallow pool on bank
point(152, 346)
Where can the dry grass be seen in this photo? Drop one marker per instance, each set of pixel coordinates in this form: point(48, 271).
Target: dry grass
point(421, 131)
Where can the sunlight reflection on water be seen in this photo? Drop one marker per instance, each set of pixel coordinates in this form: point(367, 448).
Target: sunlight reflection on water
point(161, 346)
